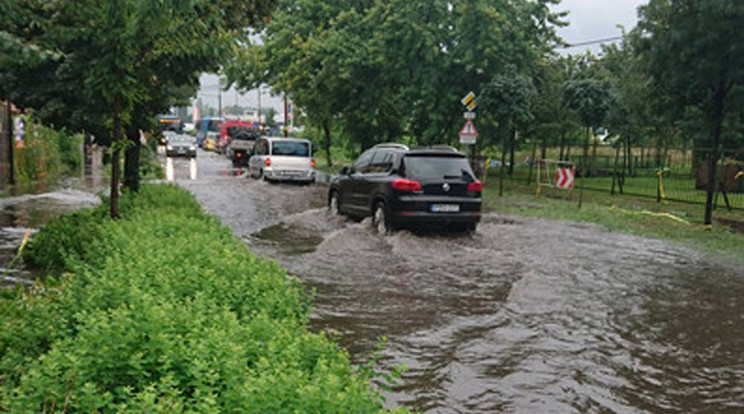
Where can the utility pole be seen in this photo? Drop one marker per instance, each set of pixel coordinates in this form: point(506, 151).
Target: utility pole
point(259, 105)
point(219, 102)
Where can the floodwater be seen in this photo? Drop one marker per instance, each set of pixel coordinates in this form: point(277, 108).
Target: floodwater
point(524, 316)
point(26, 213)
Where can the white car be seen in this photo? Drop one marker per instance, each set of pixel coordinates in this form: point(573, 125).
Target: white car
point(282, 159)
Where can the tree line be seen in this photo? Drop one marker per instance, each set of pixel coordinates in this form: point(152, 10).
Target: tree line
point(370, 71)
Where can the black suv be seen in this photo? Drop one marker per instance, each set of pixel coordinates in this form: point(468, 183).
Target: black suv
point(433, 188)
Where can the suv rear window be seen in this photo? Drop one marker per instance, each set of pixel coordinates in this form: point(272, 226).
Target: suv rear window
point(291, 148)
point(433, 167)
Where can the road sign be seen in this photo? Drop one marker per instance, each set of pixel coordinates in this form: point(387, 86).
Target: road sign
point(468, 133)
point(469, 115)
point(469, 101)
point(564, 178)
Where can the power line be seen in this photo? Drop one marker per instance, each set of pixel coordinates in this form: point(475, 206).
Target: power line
point(593, 42)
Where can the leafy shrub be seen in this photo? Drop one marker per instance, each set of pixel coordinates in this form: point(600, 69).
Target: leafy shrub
point(164, 310)
point(47, 153)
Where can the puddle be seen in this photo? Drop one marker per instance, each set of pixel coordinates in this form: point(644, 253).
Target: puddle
point(288, 239)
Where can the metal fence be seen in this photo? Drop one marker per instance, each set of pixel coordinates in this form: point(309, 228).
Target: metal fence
point(674, 175)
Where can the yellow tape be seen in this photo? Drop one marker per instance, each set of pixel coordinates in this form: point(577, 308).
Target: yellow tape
point(651, 213)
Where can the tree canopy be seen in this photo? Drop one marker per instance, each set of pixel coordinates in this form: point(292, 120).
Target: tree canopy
point(396, 69)
point(108, 67)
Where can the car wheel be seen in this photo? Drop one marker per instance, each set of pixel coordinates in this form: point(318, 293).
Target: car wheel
point(380, 220)
point(333, 204)
point(468, 228)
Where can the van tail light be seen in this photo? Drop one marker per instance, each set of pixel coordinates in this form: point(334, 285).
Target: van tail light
point(475, 186)
point(406, 185)
point(267, 162)
point(312, 162)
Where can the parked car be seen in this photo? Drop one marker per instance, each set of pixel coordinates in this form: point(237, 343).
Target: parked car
point(434, 188)
point(180, 145)
point(282, 159)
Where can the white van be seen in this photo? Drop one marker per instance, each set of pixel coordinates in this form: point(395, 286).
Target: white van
point(282, 159)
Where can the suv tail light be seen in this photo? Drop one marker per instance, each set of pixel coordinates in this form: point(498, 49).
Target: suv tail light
point(312, 162)
point(475, 186)
point(406, 185)
point(267, 162)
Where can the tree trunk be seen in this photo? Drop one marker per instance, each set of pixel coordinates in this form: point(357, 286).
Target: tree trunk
point(504, 133)
point(114, 207)
point(585, 157)
point(595, 144)
point(614, 173)
point(543, 150)
point(717, 118)
point(532, 162)
point(584, 168)
point(562, 145)
point(512, 144)
point(132, 163)
point(327, 142)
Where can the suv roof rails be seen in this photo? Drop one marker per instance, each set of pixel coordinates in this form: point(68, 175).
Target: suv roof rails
point(392, 145)
point(437, 147)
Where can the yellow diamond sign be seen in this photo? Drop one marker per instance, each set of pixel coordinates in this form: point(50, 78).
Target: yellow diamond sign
point(469, 101)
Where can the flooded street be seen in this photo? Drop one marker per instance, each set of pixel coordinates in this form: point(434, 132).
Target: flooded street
point(526, 316)
point(26, 213)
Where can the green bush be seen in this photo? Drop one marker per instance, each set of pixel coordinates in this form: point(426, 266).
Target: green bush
point(164, 310)
point(47, 154)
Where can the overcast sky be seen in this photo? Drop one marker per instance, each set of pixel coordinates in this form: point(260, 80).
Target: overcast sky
point(597, 19)
point(588, 20)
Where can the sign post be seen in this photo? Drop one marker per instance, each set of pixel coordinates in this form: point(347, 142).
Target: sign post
point(468, 133)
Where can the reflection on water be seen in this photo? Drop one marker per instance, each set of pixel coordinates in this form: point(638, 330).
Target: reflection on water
point(176, 169)
point(31, 211)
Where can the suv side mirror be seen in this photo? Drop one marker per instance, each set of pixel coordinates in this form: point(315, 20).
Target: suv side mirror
point(345, 171)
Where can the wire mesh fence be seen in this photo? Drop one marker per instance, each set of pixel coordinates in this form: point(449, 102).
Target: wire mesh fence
point(671, 175)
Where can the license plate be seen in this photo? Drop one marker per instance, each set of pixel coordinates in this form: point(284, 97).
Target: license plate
point(445, 208)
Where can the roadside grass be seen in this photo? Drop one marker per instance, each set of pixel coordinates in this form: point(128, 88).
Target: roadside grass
point(636, 212)
point(678, 222)
point(164, 310)
point(321, 163)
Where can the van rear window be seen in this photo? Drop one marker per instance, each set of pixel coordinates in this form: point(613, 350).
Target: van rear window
point(290, 148)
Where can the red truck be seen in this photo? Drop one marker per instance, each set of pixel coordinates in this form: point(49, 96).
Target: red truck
point(236, 141)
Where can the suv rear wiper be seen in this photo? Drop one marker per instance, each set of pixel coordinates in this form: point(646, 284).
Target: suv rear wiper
point(465, 175)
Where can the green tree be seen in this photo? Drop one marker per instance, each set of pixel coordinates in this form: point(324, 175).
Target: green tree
point(591, 99)
point(393, 69)
point(509, 99)
point(117, 64)
point(693, 52)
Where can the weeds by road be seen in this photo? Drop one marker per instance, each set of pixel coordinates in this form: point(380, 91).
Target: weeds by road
point(677, 222)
